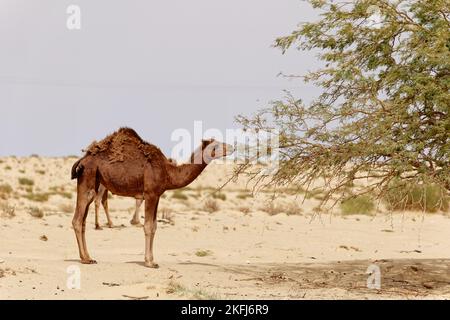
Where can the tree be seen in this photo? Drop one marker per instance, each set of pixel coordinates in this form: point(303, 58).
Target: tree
point(383, 114)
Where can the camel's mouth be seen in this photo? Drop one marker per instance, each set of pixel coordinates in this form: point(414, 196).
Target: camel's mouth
point(217, 150)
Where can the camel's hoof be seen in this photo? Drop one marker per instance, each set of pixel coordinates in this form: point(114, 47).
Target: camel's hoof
point(152, 265)
point(135, 223)
point(110, 225)
point(98, 228)
point(89, 261)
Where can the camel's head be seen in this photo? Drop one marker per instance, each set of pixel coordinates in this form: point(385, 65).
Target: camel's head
point(212, 149)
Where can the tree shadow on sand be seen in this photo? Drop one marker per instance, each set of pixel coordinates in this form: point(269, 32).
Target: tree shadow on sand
point(409, 277)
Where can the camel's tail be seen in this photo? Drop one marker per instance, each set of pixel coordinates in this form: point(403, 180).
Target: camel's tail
point(77, 169)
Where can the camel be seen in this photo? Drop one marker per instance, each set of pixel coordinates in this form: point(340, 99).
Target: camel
point(128, 166)
point(102, 198)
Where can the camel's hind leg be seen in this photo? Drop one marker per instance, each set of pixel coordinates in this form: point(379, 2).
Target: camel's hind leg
point(85, 196)
point(98, 199)
point(136, 220)
point(105, 206)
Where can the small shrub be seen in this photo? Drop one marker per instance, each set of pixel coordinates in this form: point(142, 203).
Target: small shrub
point(36, 212)
point(289, 209)
point(357, 205)
point(66, 195)
point(66, 208)
point(292, 209)
point(37, 197)
point(26, 182)
point(8, 168)
point(178, 194)
point(60, 191)
point(198, 294)
point(203, 253)
point(7, 211)
point(244, 210)
point(203, 295)
point(211, 206)
point(5, 190)
point(244, 196)
point(272, 209)
point(428, 197)
point(220, 196)
point(175, 288)
point(196, 195)
point(41, 172)
point(314, 194)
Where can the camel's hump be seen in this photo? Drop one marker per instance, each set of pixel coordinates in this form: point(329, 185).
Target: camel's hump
point(128, 132)
point(124, 143)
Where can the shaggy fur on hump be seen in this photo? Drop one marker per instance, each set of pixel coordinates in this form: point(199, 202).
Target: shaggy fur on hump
point(114, 146)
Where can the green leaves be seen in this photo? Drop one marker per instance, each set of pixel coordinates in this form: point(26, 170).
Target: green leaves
point(384, 110)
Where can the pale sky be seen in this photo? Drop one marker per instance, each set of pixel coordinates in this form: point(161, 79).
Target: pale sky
point(155, 66)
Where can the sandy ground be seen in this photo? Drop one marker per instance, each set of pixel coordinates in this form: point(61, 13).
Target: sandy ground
point(239, 250)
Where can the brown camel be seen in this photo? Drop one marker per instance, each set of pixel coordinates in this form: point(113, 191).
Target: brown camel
point(128, 166)
point(102, 198)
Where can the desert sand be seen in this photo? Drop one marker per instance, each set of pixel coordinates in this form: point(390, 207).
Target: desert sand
point(227, 245)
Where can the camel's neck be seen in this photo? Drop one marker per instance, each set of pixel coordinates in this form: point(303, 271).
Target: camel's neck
point(182, 175)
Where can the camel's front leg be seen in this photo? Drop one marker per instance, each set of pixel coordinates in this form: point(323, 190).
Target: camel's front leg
point(151, 208)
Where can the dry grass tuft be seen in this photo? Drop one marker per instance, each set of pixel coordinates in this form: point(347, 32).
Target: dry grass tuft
point(36, 212)
point(26, 182)
point(66, 208)
point(289, 209)
point(178, 194)
point(7, 210)
point(211, 206)
point(203, 253)
point(245, 210)
point(5, 191)
point(37, 197)
point(244, 196)
point(220, 196)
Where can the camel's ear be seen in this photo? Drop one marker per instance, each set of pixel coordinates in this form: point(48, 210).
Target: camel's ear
point(206, 143)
